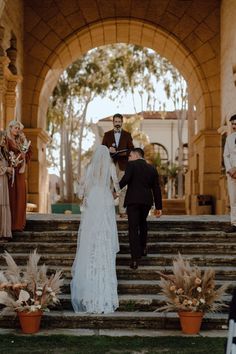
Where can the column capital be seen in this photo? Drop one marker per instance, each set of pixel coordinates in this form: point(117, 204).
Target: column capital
point(205, 134)
point(37, 133)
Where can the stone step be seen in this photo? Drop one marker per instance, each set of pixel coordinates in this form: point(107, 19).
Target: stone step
point(187, 247)
point(210, 260)
point(132, 302)
point(65, 260)
point(173, 207)
point(46, 222)
point(153, 247)
point(160, 236)
point(144, 287)
point(147, 272)
point(117, 320)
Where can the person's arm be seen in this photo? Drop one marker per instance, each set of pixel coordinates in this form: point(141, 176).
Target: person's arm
point(127, 176)
point(156, 190)
point(114, 178)
point(3, 169)
point(226, 155)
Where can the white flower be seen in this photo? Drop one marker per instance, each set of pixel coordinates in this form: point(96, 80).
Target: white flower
point(199, 289)
point(202, 301)
point(39, 293)
point(33, 308)
point(23, 296)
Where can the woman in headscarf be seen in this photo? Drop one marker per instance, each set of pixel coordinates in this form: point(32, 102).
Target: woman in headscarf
point(20, 152)
point(94, 282)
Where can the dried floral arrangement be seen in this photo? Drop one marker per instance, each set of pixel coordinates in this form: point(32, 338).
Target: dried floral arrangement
point(191, 289)
point(30, 290)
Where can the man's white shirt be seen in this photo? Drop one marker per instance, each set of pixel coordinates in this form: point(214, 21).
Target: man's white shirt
point(230, 151)
point(117, 137)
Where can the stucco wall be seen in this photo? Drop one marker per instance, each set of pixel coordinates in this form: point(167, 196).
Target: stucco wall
point(228, 58)
point(12, 18)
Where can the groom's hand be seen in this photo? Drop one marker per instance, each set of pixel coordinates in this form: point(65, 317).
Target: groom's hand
point(157, 213)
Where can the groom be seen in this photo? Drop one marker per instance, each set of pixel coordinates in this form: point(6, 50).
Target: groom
point(143, 186)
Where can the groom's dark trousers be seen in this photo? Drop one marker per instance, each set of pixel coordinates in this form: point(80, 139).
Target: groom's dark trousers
point(143, 186)
point(137, 216)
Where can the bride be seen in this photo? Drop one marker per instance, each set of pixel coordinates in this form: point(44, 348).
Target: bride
point(94, 281)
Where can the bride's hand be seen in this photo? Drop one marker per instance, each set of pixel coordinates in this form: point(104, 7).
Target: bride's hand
point(115, 195)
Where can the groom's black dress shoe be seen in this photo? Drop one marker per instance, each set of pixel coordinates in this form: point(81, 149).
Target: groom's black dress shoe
point(232, 228)
point(134, 265)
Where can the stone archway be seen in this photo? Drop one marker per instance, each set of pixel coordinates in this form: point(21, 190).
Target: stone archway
point(197, 60)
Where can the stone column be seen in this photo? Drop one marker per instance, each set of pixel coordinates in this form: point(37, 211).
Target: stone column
point(190, 176)
point(10, 98)
point(205, 168)
point(37, 169)
point(4, 61)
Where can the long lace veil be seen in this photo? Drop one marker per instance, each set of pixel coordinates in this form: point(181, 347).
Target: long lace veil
point(98, 173)
point(94, 283)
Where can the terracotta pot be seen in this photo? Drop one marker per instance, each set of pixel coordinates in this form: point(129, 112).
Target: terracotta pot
point(190, 321)
point(30, 321)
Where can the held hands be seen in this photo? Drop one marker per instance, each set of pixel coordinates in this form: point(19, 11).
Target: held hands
point(10, 170)
point(157, 213)
point(232, 172)
point(115, 195)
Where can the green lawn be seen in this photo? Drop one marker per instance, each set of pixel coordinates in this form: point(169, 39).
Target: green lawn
point(57, 344)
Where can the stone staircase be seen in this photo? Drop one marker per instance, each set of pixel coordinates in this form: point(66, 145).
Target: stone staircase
point(173, 206)
point(203, 239)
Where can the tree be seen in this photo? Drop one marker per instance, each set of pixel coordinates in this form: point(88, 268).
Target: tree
point(110, 70)
point(178, 94)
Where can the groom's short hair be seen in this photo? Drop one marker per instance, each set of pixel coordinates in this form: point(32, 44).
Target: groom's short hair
point(138, 151)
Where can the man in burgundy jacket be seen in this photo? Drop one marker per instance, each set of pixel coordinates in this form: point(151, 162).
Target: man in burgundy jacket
point(118, 139)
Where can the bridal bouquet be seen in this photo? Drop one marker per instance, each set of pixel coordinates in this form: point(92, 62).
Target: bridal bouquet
point(24, 144)
point(14, 162)
point(30, 290)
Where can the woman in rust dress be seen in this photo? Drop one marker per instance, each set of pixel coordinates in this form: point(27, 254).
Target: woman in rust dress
point(19, 154)
point(5, 171)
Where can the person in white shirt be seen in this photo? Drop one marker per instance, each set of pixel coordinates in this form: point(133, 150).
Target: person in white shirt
point(119, 143)
point(230, 167)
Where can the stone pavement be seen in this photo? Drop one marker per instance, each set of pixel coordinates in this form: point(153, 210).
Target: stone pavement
point(163, 218)
point(116, 333)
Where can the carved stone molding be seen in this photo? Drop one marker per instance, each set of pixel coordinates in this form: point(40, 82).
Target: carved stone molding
point(12, 54)
point(2, 29)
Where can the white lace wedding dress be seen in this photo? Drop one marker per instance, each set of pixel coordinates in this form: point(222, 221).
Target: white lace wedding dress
point(94, 282)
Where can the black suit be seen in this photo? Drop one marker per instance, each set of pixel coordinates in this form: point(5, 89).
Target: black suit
point(143, 186)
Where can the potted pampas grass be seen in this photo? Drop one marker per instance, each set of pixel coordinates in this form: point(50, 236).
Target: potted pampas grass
point(191, 292)
point(28, 292)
